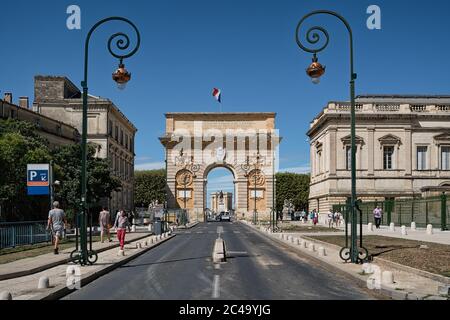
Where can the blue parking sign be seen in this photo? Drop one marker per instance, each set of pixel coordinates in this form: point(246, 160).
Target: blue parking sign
point(38, 179)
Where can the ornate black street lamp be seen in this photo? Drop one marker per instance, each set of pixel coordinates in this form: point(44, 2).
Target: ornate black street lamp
point(315, 71)
point(121, 76)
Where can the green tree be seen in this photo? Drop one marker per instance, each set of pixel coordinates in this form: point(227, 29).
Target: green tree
point(292, 186)
point(149, 186)
point(20, 145)
point(67, 167)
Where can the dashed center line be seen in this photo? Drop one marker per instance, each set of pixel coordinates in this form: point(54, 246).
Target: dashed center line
point(216, 287)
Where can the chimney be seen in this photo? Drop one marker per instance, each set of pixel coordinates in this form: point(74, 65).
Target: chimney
point(23, 102)
point(8, 97)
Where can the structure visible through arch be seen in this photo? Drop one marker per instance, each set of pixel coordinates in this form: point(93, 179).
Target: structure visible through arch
point(245, 143)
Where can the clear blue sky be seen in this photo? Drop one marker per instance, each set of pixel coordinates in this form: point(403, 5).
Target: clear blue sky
point(244, 47)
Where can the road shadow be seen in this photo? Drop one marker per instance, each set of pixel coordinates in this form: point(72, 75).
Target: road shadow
point(163, 262)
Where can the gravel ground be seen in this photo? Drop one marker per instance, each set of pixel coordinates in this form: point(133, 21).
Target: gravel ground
point(435, 258)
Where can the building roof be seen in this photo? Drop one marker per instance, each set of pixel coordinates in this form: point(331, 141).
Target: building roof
point(404, 98)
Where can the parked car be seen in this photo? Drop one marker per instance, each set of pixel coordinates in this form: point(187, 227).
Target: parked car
point(225, 216)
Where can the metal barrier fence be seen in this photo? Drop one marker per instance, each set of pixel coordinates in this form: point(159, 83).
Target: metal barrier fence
point(13, 234)
point(434, 211)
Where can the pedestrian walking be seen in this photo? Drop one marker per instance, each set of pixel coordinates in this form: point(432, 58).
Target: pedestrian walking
point(131, 218)
point(337, 218)
point(56, 223)
point(377, 214)
point(104, 220)
point(330, 218)
point(121, 224)
point(315, 217)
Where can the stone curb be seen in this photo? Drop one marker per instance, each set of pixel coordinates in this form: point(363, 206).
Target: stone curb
point(187, 227)
point(386, 291)
point(7, 276)
point(62, 290)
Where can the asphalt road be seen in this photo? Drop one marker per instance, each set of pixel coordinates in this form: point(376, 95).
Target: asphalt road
point(256, 268)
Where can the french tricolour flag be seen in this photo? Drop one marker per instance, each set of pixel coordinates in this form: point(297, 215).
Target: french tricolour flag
point(217, 94)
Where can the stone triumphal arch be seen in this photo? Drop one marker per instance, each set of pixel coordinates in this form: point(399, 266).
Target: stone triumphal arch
point(244, 143)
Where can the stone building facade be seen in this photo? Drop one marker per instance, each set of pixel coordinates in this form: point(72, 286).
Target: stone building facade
point(221, 201)
point(196, 143)
point(108, 128)
point(57, 133)
point(403, 148)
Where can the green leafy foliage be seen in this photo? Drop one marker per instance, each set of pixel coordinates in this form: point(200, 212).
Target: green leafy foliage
point(294, 187)
point(21, 144)
point(149, 186)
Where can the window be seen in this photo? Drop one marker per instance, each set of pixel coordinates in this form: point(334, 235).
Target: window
point(117, 133)
point(445, 158)
point(126, 141)
point(12, 113)
point(110, 128)
point(388, 153)
point(422, 158)
point(348, 157)
point(121, 137)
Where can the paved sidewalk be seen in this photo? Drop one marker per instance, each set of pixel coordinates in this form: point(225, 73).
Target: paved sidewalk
point(32, 265)
point(406, 285)
point(420, 234)
point(26, 287)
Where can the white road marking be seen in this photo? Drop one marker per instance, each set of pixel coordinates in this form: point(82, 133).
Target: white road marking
point(267, 262)
point(216, 287)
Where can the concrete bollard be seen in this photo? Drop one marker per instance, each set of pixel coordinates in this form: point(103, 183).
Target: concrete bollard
point(5, 295)
point(138, 245)
point(404, 233)
point(44, 283)
point(304, 244)
point(370, 227)
point(133, 228)
point(322, 252)
point(413, 226)
point(146, 243)
point(387, 277)
point(121, 253)
point(293, 240)
point(312, 247)
point(392, 227)
point(289, 238)
point(430, 229)
point(299, 242)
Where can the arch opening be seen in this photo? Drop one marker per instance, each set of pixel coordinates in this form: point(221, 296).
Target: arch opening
point(219, 190)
